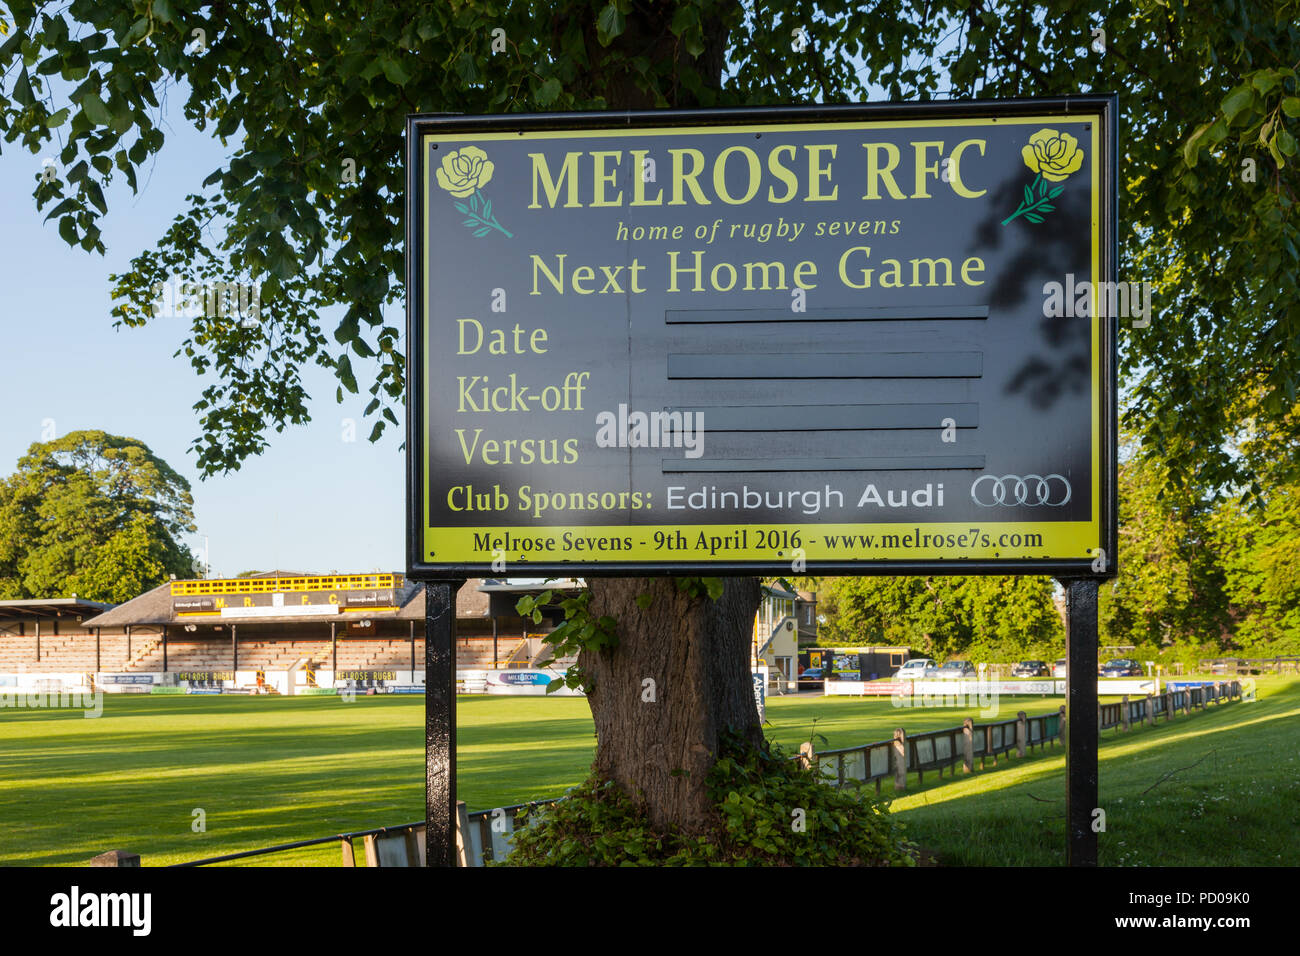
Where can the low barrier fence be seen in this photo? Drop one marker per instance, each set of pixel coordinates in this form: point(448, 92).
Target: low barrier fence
point(485, 836)
point(940, 750)
point(934, 751)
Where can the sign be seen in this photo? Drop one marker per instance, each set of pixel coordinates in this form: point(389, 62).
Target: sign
point(205, 676)
point(283, 597)
point(526, 682)
point(364, 675)
point(760, 692)
point(849, 340)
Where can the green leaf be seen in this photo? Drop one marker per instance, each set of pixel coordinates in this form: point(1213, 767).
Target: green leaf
point(1276, 153)
point(394, 71)
point(1236, 101)
point(344, 370)
point(467, 69)
point(1032, 218)
point(549, 92)
point(23, 95)
point(96, 195)
point(610, 24)
point(428, 28)
point(10, 46)
point(685, 18)
point(1192, 151)
point(1264, 80)
point(96, 111)
point(1291, 106)
point(65, 206)
point(162, 10)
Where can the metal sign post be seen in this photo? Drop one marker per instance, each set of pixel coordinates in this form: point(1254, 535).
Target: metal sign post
point(1081, 709)
point(440, 721)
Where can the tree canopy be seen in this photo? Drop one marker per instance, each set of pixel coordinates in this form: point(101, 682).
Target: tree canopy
point(982, 617)
point(310, 99)
point(95, 515)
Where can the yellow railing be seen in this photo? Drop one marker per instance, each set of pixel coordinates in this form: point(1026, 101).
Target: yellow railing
point(329, 582)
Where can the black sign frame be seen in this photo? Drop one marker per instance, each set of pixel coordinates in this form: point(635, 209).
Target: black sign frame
point(1103, 105)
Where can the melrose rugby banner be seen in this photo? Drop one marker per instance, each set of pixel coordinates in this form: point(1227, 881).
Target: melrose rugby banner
point(763, 340)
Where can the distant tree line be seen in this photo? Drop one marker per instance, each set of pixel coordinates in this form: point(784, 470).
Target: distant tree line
point(1205, 571)
point(95, 515)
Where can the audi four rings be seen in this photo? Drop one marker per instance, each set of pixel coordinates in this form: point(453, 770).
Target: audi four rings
point(1012, 490)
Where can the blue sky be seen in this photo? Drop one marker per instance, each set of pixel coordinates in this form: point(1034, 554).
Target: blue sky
point(312, 502)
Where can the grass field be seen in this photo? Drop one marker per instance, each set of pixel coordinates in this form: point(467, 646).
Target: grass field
point(269, 770)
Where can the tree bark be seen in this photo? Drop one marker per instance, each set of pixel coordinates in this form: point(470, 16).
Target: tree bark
point(659, 740)
point(661, 698)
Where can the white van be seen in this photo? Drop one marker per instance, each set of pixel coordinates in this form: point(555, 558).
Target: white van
point(914, 669)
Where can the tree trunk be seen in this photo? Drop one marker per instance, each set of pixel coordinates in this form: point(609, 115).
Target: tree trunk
point(678, 677)
point(659, 740)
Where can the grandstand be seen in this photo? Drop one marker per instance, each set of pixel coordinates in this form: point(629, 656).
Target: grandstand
point(269, 622)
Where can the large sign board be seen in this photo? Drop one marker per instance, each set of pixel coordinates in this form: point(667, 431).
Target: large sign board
point(845, 340)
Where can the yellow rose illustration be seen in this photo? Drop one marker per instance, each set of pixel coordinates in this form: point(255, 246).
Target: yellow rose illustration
point(1053, 156)
point(463, 173)
point(464, 170)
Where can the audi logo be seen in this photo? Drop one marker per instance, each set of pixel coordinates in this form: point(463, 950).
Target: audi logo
point(1012, 490)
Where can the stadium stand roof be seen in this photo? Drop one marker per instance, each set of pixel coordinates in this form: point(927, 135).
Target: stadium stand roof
point(155, 607)
point(53, 608)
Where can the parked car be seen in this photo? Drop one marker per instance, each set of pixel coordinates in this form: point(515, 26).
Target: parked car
point(1121, 667)
point(915, 669)
point(1058, 669)
point(1029, 669)
point(955, 670)
point(813, 678)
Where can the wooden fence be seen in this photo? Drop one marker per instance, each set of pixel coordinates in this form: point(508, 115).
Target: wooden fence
point(935, 751)
point(940, 750)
